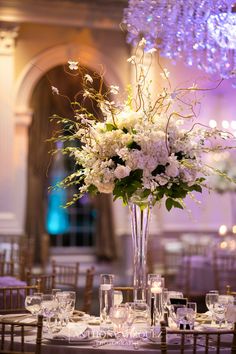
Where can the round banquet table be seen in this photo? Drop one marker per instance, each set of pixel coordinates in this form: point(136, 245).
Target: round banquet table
point(59, 346)
point(149, 348)
point(112, 348)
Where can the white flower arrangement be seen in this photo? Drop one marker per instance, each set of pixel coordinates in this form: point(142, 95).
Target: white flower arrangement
point(140, 148)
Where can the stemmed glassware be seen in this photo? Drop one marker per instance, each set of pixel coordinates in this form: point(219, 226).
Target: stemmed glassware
point(66, 306)
point(71, 300)
point(211, 299)
point(221, 306)
point(33, 303)
point(130, 320)
point(118, 315)
point(219, 310)
point(49, 308)
point(191, 313)
point(173, 310)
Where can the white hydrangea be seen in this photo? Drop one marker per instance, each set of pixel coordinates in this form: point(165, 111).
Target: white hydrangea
point(122, 171)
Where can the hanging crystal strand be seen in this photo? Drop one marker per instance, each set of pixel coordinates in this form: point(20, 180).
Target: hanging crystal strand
point(139, 223)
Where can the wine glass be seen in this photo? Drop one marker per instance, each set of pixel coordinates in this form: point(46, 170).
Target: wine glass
point(55, 291)
point(193, 306)
point(180, 317)
point(118, 315)
point(129, 321)
point(219, 310)
point(211, 299)
point(173, 312)
point(33, 303)
point(49, 308)
point(191, 313)
point(65, 307)
point(71, 300)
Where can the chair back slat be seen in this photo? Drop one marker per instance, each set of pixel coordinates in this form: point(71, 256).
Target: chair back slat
point(224, 266)
point(66, 275)
point(203, 338)
point(18, 329)
point(88, 290)
point(7, 268)
point(12, 299)
point(45, 282)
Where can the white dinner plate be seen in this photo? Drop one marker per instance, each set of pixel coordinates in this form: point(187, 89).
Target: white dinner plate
point(67, 341)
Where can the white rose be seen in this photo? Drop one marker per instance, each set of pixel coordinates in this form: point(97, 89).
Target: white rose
point(105, 187)
point(122, 171)
point(172, 170)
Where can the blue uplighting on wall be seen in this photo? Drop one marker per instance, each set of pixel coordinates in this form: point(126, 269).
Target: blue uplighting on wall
point(57, 219)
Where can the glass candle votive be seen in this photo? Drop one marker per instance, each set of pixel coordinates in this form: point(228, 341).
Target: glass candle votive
point(155, 297)
point(106, 298)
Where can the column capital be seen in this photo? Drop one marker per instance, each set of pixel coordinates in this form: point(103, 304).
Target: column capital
point(8, 34)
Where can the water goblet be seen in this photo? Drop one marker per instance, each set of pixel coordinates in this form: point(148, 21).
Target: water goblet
point(33, 303)
point(211, 299)
point(49, 308)
point(173, 312)
point(118, 315)
point(66, 305)
point(129, 321)
point(55, 291)
point(71, 300)
point(219, 310)
point(192, 314)
point(181, 317)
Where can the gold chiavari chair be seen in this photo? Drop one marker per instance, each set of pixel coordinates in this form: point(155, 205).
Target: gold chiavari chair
point(13, 336)
point(46, 282)
point(229, 290)
point(127, 292)
point(12, 299)
point(66, 275)
point(2, 255)
point(208, 341)
point(224, 266)
point(88, 290)
point(7, 268)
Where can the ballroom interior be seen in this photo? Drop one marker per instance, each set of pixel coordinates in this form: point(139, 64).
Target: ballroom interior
point(37, 39)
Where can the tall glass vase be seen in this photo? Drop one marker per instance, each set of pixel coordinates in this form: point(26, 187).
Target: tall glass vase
point(140, 216)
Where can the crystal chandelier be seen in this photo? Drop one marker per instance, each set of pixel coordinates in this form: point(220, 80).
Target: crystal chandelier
point(201, 32)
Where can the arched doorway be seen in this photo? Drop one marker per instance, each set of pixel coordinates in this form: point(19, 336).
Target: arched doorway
point(26, 86)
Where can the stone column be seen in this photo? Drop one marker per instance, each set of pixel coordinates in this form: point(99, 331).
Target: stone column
point(8, 34)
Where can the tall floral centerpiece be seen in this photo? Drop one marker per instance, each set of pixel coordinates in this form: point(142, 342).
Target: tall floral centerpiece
point(140, 150)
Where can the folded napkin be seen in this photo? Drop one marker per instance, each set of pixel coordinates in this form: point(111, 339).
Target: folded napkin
point(74, 332)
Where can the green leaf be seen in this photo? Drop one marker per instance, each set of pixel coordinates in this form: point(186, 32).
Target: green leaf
point(127, 186)
point(118, 160)
point(196, 187)
point(110, 127)
point(133, 145)
point(158, 170)
point(92, 189)
point(177, 204)
point(169, 204)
